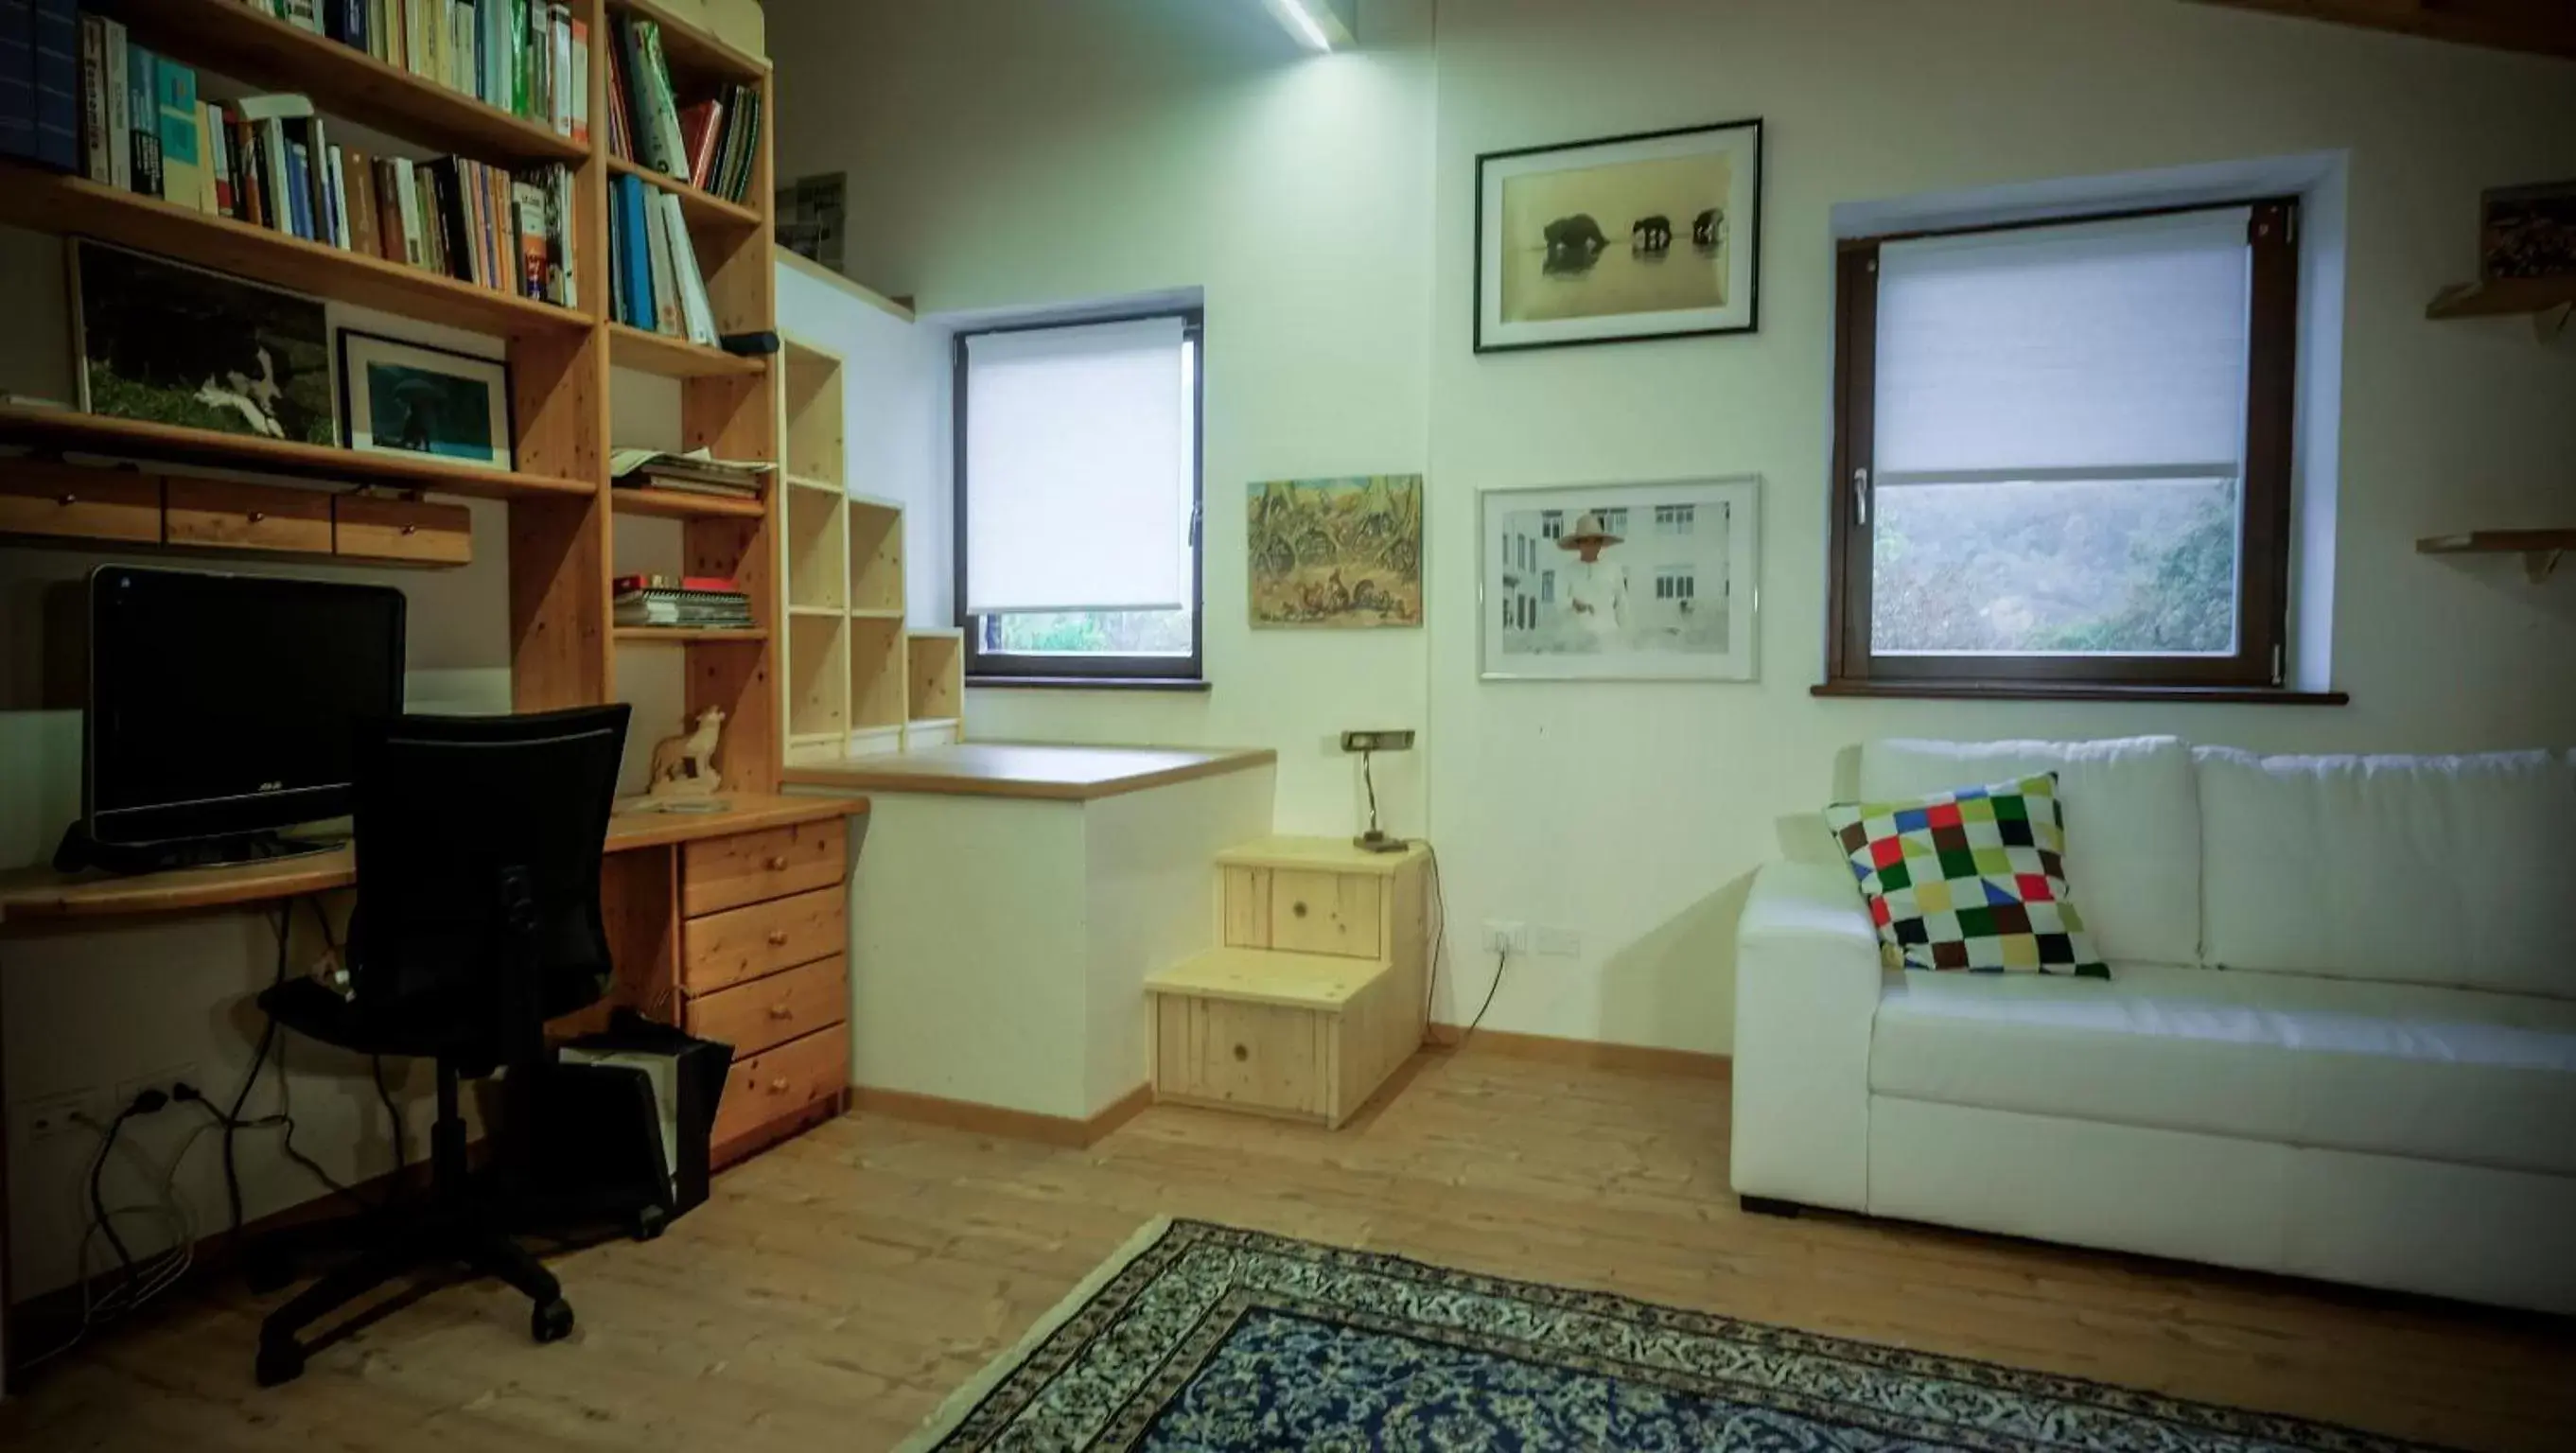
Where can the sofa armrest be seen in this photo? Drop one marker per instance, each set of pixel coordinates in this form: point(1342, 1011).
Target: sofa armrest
point(1807, 983)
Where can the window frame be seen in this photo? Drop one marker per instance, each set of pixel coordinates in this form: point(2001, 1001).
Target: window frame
point(2256, 669)
point(1164, 673)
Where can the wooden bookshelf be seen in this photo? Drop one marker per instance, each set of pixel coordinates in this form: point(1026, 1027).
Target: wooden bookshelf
point(701, 208)
point(681, 504)
point(2503, 297)
point(632, 347)
point(64, 431)
point(2539, 549)
point(690, 636)
point(695, 53)
point(251, 45)
point(44, 201)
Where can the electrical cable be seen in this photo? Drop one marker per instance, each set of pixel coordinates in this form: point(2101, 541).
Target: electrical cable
point(1439, 931)
point(98, 1202)
point(1502, 961)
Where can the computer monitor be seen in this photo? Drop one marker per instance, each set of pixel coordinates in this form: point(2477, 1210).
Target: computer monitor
point(220, 710)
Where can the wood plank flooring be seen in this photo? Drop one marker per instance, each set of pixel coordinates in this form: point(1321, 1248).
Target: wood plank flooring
point(836, 1288)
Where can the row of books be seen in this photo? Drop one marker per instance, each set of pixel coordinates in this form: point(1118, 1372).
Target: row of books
point(654, 281)
point(711, 145)
point(693, 471)
point(40, 82)
point(527, 57)
point(693, 602)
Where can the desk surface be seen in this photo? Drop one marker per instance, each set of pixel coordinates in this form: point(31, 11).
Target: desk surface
point(35, 895)
point(1029, 770)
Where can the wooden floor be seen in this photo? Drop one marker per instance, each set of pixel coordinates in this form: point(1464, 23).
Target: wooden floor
point(836, 1288)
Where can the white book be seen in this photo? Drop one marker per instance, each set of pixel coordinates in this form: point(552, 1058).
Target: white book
point(303, 14)
point(559, 72)
point(335, 190)
point(694, 309)
point(407, 195)
point(120, 116)
point(95, 163)
point(563, 222)
point(217, 162)
point(282, 106)
point(666, 285)
point(581, 91)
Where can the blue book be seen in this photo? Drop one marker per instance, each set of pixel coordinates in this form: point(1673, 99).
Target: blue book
point(17, 78)
point(299, 195)
point(143, 120)
point(58, 65)
point(638, 254)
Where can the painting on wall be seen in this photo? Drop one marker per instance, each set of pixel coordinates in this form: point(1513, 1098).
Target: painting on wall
point(1621, 582)
point(1336, 553)
point(171, 344)
point(401, 398)
point(1653, 236)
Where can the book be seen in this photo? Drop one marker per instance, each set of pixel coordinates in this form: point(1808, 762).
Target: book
point(637, 260)
point(358, 200)
point(143, 121)
point(335, 220)
point(559, 70)
point(407, 204)
point(18, 78)
point(317, 158)
point(58, 73)
point(218, 195)
point(723, 584)
point(275, 168)
point(695, 313)
point(174, 99)
point(118, 67)
point(665, 102)
point(667, 319)
point(299, 189)
point(701, 128)
point(303, 14)
point(388, 198)
point(95, 163)
point(581, 81)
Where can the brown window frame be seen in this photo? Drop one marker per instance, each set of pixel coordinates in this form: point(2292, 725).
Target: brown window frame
point(2254, 671)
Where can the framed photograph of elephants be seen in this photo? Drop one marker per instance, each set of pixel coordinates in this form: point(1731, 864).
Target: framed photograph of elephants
point(1620, 582)
point(1626, 238)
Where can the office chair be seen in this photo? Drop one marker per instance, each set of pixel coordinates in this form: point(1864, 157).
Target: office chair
point(478, 851)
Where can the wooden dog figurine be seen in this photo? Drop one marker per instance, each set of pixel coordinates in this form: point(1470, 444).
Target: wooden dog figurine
point(685, 765)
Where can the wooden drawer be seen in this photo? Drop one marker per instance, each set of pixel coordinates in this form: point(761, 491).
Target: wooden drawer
point(93, 504)
point(728, 948)
point(754, 1016)
point(1325, 913)
point(779, 1083)
point(248, 516)
point(1262, 1057)
point(727, 872)
point(408, 530)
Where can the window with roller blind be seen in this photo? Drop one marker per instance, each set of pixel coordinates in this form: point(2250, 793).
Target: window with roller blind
point(1078, 487)
point(2062, 456)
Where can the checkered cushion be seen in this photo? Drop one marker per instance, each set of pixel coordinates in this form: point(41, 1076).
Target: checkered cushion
point(1972, 879)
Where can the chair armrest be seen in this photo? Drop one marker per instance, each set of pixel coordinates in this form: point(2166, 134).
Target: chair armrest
point(1807, 984)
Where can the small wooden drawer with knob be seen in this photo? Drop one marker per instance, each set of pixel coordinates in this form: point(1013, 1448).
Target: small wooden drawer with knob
point(37, 498)
point(764, 1012)
point(723, 949)
point(405, 531)
point(780, 1088)
point(247, 516)
point(727, 872)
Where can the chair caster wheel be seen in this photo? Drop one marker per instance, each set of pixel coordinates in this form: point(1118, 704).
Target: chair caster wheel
point(650, 1223)
point(552, 1321)
point(279, 1363)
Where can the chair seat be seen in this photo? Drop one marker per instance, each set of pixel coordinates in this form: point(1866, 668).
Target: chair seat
point(2454, 1075)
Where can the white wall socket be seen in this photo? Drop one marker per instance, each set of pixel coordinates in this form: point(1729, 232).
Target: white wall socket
point(1560, 943)
point(1507, 936)
point(50, 1117)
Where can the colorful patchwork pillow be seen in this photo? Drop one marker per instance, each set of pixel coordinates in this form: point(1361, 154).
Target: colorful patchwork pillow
point(1973, 879)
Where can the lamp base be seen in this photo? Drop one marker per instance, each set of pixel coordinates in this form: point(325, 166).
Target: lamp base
point(1374, 841)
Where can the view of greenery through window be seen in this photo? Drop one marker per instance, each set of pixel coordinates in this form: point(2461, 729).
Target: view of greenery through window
point(1089, 633)
point(2111, 567)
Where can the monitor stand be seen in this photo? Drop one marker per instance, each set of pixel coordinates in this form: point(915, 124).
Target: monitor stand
point(79, 850)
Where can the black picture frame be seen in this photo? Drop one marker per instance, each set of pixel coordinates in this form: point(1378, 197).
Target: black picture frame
point(1486, 267)
point(506, 450)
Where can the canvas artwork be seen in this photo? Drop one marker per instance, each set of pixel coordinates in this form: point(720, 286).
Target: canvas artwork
point(172, 344)
point(402, 398)
point(1606, 241)
point(1621, 582)
point(1337, 552)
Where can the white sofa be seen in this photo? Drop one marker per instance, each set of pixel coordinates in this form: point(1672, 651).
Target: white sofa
point(2339, 1038)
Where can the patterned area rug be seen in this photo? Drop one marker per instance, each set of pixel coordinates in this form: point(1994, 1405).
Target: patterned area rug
point(1211, 1339)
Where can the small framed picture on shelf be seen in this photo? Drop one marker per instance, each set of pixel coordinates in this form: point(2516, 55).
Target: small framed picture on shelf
point(405, 398)
point(167, 343)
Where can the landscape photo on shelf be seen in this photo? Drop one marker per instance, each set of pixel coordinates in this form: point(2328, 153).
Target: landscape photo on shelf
point(1336, 553)
point(167, 343)
point(402, 398)
point(1636, 237)
point(1620, 582)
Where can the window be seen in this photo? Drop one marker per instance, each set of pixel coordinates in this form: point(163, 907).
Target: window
point(2062, 455)
point(1078, 487)
point(1675, 519)
point(1676, 582)
point(1551, 523)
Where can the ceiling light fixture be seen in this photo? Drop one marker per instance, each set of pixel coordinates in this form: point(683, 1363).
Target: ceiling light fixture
point(1320, 25)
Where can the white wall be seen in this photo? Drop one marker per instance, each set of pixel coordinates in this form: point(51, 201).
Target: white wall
point(1018, 152)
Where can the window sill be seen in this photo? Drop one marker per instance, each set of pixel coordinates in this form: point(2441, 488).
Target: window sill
point(2044, 691)
point(1087, 683)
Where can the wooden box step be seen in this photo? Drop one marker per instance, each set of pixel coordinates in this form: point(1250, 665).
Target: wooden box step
point(1300, 1036)
point(1323, 982)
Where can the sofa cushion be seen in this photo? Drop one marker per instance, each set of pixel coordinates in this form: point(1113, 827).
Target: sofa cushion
point(1972, 880)
point(2440, 870)
point(2132, 826)
point(2399, 1069)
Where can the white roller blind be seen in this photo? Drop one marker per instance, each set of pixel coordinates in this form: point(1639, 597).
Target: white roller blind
point(1078, 468)
point(2094, 350)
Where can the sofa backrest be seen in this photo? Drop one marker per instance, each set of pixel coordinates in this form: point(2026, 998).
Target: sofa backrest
point(2428, 870)
point(2132, 826)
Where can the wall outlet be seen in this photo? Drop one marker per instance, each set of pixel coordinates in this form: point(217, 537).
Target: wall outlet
point(160, 1079)
point(1560, 943)
point(51, 1117)
point(1378, 741)
point(1506, 936)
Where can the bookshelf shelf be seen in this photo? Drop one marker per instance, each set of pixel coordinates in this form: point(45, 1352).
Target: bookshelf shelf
point(681, 504)
point(632, 347)
point(691, 50)
point(43, 201)
point(251, 45)
point(688, 636)
point(701, 208)
point(63, 430)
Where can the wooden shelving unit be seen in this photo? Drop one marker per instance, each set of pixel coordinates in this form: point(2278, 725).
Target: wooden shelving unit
point(2546, 300)
point(175, 450)
point(632, 347)
point(699, 207)
point(681, 504)
point(689, 636)
point(2539, 549)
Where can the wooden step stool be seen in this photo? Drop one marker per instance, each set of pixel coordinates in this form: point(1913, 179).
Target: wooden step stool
point(1316, 995)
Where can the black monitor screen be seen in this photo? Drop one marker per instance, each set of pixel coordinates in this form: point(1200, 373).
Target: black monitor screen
point(222, 704)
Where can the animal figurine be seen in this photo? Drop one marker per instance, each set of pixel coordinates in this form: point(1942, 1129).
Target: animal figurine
point(1652, 234)
point(1573, 243)
point(1708, 228)
point(685, 765)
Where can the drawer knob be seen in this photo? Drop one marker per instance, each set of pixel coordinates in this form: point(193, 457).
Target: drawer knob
point(778, 1086)
point(777, 937)
point(67, 499)
point(411, 529)
point(1298, 908)
point(781, 1011)
point(778, 864)
point(1242, 1053)
point(257, 515)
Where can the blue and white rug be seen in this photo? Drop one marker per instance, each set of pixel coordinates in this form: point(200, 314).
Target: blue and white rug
point(1211, 1339)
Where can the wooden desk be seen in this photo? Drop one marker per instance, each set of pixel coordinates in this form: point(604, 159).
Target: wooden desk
point(1029, 770)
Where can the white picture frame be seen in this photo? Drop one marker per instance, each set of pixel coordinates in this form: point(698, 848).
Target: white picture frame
point(1620, 582)
point(461, 409)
